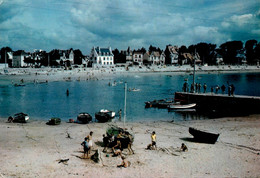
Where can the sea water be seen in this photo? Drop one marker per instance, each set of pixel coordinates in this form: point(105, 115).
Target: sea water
point(46, 100)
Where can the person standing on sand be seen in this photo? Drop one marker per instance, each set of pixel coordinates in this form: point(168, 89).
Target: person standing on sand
point(85, 145)
point(153, 137)
point(90, 142)
point(120, 114)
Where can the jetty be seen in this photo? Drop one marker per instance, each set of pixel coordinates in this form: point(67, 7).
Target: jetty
point(221, 104)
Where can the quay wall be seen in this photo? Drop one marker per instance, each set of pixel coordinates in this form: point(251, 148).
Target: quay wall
point(221, 104)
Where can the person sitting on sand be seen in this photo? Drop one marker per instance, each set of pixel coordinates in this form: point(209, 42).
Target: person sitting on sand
point(85, 145)
point(90, 141)
point(124, 163)
point(184, 147)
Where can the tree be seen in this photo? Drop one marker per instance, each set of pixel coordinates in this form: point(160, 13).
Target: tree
point(4, 55)
point(229, 51)
point(78, 56)
point(250, 51)
point(167, 54)
point(206, 52)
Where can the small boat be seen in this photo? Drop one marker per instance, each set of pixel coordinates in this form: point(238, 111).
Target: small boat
point(181, 106)
point(165, 103)
point(154, 103)
point(54, 121)
point(203, 136)
point(84, 118)
point(134, 89)
point(124, 139)
point(104, 115)
point(19, 117)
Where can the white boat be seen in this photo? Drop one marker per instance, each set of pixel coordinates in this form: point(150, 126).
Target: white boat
point(181, 106)
point(134, 89)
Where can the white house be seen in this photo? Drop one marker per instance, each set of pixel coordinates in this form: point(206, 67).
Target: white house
point(18, 59)
point(138, 57)
point(102, 57)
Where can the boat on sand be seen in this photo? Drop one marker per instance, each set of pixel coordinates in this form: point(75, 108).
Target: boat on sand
point(104, 115)
point(54, 121)
point(203, 136)
point(84, 118)
point(19, 117)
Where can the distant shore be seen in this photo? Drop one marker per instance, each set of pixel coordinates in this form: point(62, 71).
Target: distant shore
point(58, 74)
point(35, 149)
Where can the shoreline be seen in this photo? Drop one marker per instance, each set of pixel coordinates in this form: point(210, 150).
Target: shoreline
point(34, 149)
point(41, 75)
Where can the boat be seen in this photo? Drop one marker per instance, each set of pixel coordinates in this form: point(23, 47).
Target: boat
point(124, 139)
point(165, 103)
point(54, 121)
point(104, 115)
point(134, 89)
point(84, 118)
point(19, 117)
point(181, 106)
point(203, 136)
point(154, 103)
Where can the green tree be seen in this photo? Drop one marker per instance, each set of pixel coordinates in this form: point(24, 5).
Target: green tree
point(78, 56)
point(229, 51)
point(3, 52)
point(250, 51)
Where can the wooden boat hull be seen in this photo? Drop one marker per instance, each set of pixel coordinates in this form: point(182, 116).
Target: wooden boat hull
point(203, 136)
point(84, 118)
point(104, 116)
point(54, 121)
point(180, 106)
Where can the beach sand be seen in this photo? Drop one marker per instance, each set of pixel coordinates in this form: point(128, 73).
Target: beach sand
point(34, 150)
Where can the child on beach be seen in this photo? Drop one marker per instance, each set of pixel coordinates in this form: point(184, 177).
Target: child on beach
point(85, 145)
point(184, 147)
point(124, 163)
point(152, 146)
point(90, 141)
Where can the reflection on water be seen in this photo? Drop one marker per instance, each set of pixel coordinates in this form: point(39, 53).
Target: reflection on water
point(42, 101)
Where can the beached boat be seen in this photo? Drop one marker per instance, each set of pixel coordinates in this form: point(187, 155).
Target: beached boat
point(19, 117)
point(54, 121)
point(203, 136)
point(84, 118)
point(181, 106)
point(104, 115)
point(124, 139)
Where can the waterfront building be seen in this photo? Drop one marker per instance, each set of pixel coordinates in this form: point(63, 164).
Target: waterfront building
point(19, 58)
point(138, 57)
point(102, 57)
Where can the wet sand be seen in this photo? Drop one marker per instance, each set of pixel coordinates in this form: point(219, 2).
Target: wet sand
point(34, 149)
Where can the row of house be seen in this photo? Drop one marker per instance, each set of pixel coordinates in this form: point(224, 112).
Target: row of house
point(100, 57)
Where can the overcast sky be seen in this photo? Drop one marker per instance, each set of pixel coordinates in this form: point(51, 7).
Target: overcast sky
point(82, 24)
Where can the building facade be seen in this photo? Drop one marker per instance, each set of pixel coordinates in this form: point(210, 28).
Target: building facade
point(102, 57)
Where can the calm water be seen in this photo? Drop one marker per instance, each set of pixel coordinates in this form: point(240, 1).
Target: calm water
point(43, 101)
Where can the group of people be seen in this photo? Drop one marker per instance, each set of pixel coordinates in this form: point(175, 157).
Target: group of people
point(116, 145)
point(196, 88)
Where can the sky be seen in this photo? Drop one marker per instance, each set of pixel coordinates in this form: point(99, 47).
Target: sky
point(82, 24)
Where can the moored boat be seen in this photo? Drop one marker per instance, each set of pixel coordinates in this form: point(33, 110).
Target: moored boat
point(181, 106)
point(54, 121)
point(203, 136)
point(104, 115)
point(19, 117)
point(84, 118)
point(154, 103)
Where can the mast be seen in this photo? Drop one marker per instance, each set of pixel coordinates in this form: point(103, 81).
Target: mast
point(194, 71)
point(125, 104)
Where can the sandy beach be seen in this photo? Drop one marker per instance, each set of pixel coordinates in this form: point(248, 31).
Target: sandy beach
point(47, 74)
point(34, 149)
